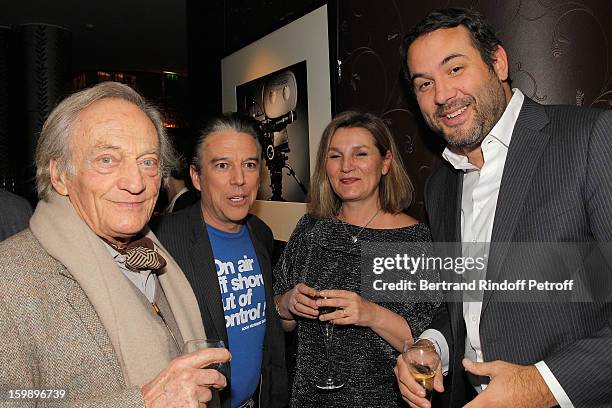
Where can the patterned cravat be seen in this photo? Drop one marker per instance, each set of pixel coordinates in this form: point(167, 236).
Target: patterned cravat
point(141, 255)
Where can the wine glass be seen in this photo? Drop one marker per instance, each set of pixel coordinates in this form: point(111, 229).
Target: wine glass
point(331, 380)
point(198, 344)
point(422, 360)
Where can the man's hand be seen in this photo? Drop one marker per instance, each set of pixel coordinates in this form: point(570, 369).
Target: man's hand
point(185, 382)
point(511, 385)
point(412, 392)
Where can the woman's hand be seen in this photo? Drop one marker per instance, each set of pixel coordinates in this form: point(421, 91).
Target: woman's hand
point(299, 301)
point(351, 308)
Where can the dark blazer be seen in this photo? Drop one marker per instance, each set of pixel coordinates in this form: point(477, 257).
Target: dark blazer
point(556, 187)
point(15, 213)
point(184, 235)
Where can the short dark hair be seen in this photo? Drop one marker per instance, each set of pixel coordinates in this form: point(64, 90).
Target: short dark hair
point(226, 121)
point(482, 34)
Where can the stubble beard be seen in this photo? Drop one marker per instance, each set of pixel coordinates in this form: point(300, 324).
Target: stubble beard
point(486, 114)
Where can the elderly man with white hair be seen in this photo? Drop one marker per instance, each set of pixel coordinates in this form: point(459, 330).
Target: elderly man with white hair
point(94, 312)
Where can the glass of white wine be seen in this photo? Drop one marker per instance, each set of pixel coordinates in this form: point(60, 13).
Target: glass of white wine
point(331, 380)
point(423, 360)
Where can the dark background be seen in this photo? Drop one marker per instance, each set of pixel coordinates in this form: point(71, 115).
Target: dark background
point(559, 52)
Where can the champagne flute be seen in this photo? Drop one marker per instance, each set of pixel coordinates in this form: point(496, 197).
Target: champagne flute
point(331, 380)
point(422, 360)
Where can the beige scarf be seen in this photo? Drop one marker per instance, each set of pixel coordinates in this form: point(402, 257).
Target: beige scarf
point(138, 340)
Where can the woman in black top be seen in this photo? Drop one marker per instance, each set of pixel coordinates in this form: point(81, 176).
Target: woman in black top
point(358, 192)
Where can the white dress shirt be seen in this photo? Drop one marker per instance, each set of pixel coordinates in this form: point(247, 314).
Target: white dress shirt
point(478, 204)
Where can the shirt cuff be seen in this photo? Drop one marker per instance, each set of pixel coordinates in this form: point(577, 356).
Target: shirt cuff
point(553, 385)
point(441, 346)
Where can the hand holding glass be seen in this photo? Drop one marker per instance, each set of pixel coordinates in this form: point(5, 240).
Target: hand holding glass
point(331, 381)
point(423, 361)
point(198, 344)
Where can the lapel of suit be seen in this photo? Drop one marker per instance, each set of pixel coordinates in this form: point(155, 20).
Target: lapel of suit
point(83, 308)
point(444, 208)
point(452, 204)
point(263, 258)
point(203, 263)
point(454, 207)
point(446, 219)
point(526, 147)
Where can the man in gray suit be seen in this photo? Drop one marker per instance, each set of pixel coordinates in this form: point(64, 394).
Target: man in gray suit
point(94, 312)
point(15, 213)
point(515, 172)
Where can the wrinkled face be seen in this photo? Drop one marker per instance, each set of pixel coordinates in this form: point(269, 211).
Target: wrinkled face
point(228, 178)
point(459, 95)
point(115, 155)
point(354, 165)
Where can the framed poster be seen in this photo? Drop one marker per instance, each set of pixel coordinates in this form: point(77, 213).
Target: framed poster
point(279, 102)
point(283, 80)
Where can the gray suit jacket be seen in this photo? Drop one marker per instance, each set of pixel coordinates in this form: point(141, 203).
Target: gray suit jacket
point(15, 213)
point(556, 187)
point(51, 335)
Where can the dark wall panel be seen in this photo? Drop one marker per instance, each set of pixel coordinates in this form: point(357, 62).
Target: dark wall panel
point(43, 59)
point(249, 20)
point(7, 174)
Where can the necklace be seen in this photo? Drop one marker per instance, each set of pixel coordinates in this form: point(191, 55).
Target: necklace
point(354, 237)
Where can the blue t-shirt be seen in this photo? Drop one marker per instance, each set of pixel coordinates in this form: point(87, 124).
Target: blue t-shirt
point(244, 304)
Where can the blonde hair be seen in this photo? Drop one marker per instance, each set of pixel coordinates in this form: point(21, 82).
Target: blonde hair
point(395, 188)
point(56, 134)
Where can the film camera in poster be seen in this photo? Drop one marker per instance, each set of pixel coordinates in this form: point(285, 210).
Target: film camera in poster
point(279, 102)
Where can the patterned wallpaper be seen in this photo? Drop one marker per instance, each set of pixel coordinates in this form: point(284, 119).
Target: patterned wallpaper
point(559, 51)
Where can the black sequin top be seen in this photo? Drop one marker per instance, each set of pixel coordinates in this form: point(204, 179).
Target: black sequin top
point(322, 255)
